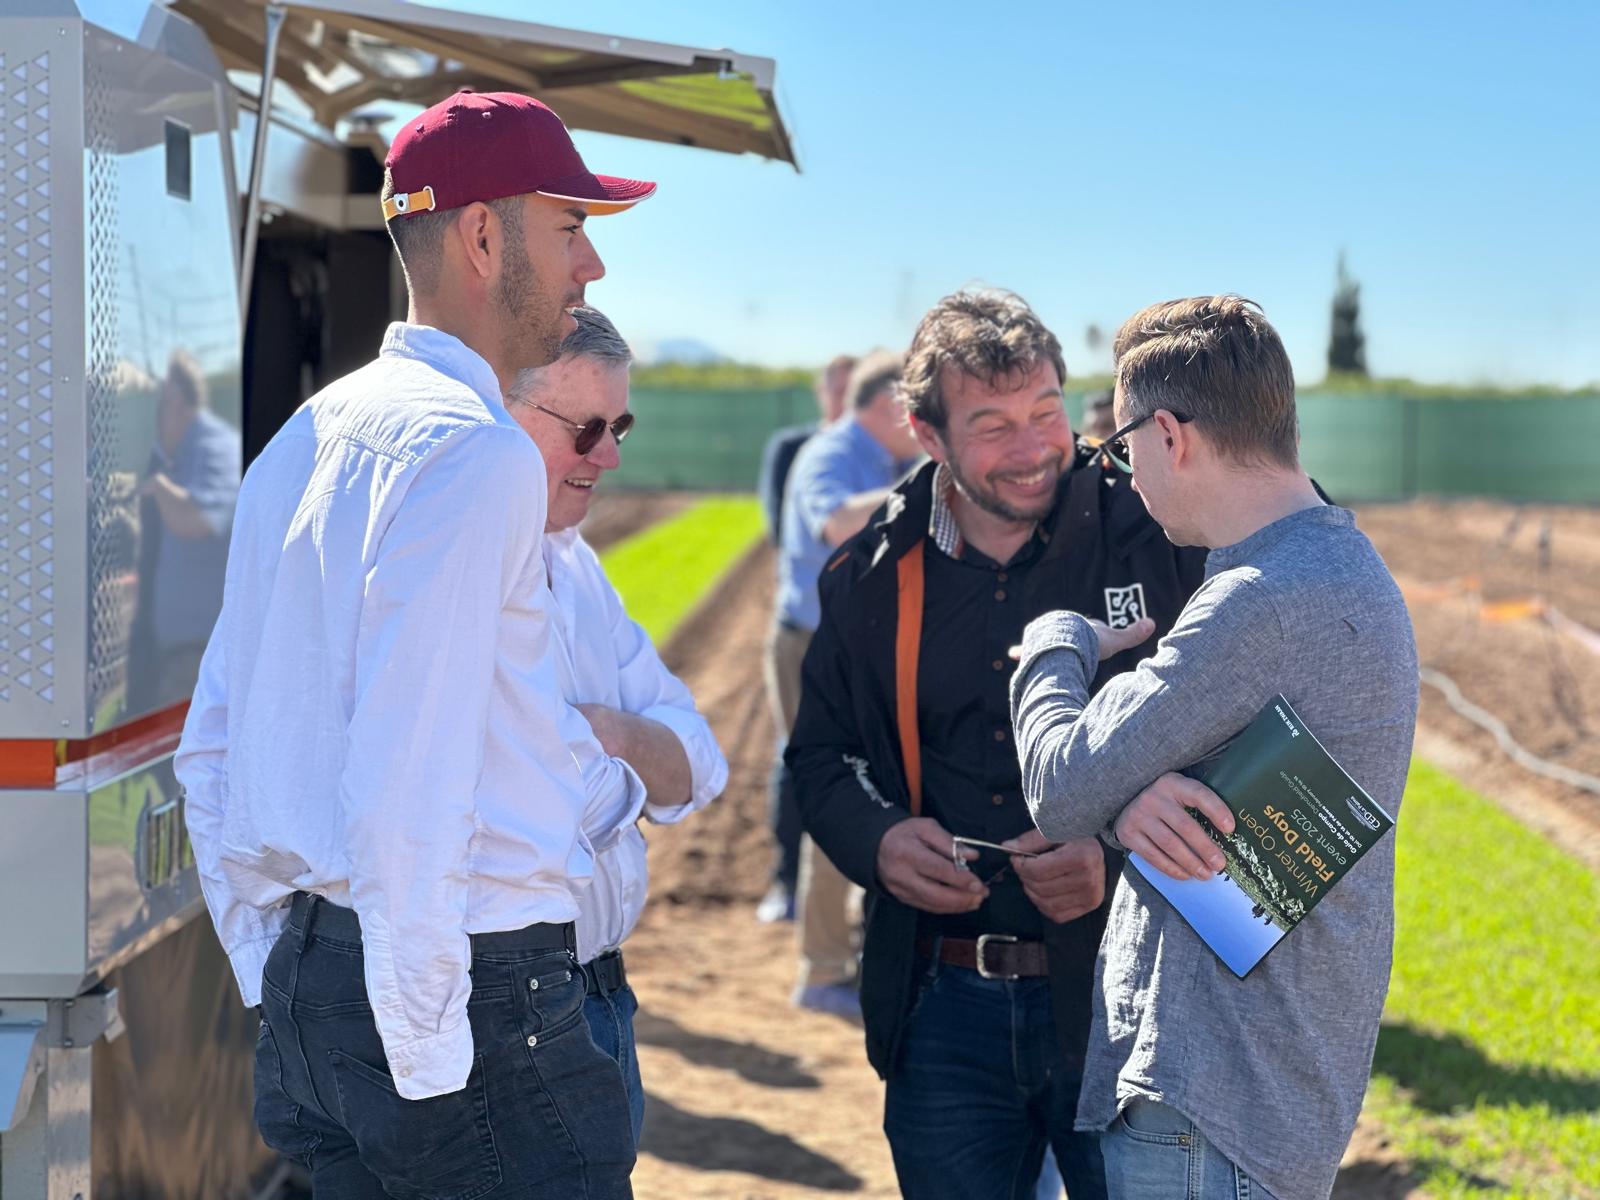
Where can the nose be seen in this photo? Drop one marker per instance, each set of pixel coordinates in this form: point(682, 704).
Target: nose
point(588, 268)
point(606, 455)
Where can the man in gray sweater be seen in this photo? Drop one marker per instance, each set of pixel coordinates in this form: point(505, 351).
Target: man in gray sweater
point(1208, 1085)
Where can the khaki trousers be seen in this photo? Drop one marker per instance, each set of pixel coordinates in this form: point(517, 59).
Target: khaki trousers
point(825, 901)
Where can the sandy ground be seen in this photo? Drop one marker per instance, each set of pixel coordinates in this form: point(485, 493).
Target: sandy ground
point(750, 1097)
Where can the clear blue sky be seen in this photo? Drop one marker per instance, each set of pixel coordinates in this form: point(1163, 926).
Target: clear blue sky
point(1097, 157)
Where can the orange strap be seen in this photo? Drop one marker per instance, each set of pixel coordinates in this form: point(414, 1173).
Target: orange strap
point(907, 650)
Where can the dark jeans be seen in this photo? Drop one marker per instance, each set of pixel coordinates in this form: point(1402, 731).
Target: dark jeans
point(548, 1120)
point(610, 1017)
point(978, 1091)
point(786, 826)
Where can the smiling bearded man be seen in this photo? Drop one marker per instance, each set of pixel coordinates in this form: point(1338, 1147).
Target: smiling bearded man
point(978, 965)
point(652, 754)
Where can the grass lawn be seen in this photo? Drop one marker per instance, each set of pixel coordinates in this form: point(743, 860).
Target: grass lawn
point(1487, 1075)
point(661, 572)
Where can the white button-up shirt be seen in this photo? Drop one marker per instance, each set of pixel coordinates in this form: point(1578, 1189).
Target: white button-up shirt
point(603, 657)
point(378, 717)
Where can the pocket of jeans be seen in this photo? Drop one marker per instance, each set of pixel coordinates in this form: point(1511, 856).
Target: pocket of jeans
point(1155, 1124)
point(441, 1148)
point(555, 992)
point(277, 1115)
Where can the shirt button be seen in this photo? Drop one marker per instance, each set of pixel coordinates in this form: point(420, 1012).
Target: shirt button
point(999, 593)
point(997, 799)
point(533, 1039)
point(999, 735)
point(405, 1072)
point(1001, 577)
point(999, 664)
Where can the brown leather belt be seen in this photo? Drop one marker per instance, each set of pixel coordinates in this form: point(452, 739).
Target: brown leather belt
point(993, 955)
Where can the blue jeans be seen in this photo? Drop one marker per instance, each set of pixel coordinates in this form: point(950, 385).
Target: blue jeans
point(1154, 1152)
point(547, 1120)
point(611, 1025)
point(980, 1089)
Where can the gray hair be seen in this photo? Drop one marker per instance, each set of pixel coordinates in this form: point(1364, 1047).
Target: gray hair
point(878, 370)
point(595, 337)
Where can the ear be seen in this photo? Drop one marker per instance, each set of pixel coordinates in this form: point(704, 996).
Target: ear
point(929, 439)
point(1178, 437)
point(477, 232)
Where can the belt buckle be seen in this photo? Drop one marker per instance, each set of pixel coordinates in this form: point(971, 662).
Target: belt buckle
point(983, 941)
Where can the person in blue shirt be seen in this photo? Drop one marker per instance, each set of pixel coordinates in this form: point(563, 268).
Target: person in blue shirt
point(777, 460)
point(839, 477)
point(186, 506)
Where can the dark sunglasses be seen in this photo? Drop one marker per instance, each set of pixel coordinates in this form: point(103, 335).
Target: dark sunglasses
point(591, 431)
point(1115, 447)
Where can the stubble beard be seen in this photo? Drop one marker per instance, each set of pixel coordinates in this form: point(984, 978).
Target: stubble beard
point(525, 304)
point(988, 498)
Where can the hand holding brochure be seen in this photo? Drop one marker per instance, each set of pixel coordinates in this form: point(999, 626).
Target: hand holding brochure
point(1300, 824)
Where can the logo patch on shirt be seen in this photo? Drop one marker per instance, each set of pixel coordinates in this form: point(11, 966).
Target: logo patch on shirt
point(1124, 605)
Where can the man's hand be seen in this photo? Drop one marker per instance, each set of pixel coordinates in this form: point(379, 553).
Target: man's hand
point(1065, 881)
point(649, 747)
point(1158, 825)
point(1115, 641)
point(916, 867)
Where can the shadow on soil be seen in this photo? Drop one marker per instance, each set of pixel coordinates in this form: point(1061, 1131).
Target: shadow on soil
point(1445, 1073)
point(733, 1144)
point(768, 1068)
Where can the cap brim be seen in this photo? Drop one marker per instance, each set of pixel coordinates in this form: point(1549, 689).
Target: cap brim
point(600, 195)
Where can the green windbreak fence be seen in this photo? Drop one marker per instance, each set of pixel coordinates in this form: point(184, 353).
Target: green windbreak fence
point(1359, 446)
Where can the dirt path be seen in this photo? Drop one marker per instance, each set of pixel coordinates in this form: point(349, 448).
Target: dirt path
point(750, 1097)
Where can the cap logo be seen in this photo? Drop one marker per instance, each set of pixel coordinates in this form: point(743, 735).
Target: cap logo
point(405, 203)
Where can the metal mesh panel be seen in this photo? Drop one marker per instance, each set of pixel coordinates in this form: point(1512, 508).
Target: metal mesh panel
point(108, 619)
point(27, 537)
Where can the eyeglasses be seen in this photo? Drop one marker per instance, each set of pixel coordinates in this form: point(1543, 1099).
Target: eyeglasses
point(591, 431)
point(1115, 447)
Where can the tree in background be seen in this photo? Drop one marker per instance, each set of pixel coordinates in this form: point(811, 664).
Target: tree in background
point(1347, 347)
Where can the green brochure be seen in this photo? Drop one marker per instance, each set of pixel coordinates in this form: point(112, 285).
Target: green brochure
point(1300, 824)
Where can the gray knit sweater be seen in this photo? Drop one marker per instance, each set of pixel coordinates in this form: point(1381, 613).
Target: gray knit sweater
point(1272, 1068)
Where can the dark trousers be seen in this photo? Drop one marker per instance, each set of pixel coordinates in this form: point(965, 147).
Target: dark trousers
point(786, 826)
point(978, 1091)
point(549, 1120)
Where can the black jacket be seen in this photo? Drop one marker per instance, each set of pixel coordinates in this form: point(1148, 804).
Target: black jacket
point(844, 751)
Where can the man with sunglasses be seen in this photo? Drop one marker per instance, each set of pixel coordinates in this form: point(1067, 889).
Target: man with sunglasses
point(1208, 1085)
point(652, 755)
point(978, 963)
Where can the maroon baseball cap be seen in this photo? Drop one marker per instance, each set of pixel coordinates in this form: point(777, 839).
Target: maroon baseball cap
point(486, 145)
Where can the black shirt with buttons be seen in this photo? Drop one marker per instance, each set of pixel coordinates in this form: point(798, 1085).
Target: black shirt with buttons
point(972, 615)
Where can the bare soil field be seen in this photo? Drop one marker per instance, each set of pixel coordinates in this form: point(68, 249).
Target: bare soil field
point(752, 1098)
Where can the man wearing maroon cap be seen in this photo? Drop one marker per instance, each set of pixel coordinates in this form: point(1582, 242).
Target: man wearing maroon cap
point(384, 808)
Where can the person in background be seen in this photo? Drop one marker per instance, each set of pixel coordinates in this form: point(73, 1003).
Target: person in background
point(1098, 419)
point(777, 459)
point(185, 516)
point(977, 965)
point(840, 476)
point(652, 753)
point(385, 813)
point(1296, 601)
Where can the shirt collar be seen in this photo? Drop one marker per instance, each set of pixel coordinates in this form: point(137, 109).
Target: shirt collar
point(942, 527)
point(867, 445)
point(1326, 515)
point(445, 353)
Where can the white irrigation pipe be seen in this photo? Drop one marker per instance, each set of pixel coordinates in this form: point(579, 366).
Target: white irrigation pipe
point(1487, 720)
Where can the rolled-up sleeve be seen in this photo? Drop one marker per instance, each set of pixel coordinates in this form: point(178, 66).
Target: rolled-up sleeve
point(448, 562)
point(1083, 761)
